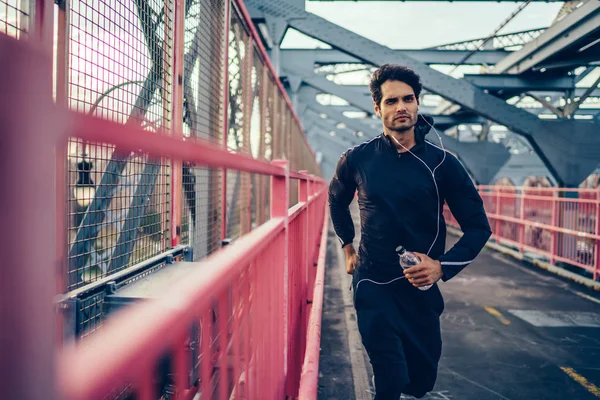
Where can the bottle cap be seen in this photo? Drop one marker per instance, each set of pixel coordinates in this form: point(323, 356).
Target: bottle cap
point(400, 250)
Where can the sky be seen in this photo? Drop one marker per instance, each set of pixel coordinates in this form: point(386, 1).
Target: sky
point(417, 25)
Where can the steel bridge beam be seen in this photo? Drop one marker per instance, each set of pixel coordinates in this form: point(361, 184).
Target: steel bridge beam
point(482, 80)
point(466, 1)
point(360, 97)
point(326, 124)
point(508, 82)
point(363, 102)
point(575, 26)
point(570, 149)
point(308, 96)
point(353, 96)
point(428, 56)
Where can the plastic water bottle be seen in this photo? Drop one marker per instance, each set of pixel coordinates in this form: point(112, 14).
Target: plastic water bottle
point(407, 260)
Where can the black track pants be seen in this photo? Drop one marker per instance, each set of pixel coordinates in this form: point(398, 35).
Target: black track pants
point(400, 329)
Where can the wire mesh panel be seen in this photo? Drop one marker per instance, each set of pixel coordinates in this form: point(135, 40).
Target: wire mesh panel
point(536, 207)
point(238, 136)
point(203, 86)
point(114, 220)
point(256, 136)
point(579, 218)
point(15, 17)
point(507, 206)
point(90, 315)
point(201, 214)
point(270, 115)
point(238, 204)
point(204, 69)
point(288, 149)
point(120, 57)
point(283, 127)
point(256, 115)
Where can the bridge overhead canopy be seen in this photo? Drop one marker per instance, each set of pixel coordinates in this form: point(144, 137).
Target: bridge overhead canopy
point(484, 89)
point(367, 1)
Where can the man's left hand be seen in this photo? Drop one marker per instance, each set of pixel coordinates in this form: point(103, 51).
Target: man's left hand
point(427, 272)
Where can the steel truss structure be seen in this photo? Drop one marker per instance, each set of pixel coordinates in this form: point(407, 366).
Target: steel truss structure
point(568, 147)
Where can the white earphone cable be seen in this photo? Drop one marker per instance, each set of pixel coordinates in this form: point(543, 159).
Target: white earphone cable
point(432, 175)
point(436, 190)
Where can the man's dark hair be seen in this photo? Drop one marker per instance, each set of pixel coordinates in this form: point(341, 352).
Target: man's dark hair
point(392, 72)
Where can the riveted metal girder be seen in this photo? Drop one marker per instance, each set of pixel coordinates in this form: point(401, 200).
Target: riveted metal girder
point(348, 93)
point(323, 128)
point(428, 56)
point(327, 124)
point(495, 1)
point(570, 161)
point(307, 95)
point(575, 26)
point(520, 83)
point(540, 91)
point(482, 159)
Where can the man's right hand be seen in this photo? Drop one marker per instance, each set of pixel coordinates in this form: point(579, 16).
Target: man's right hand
point(351, 258)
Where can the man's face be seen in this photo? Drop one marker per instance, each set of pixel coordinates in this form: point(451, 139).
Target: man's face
point(398, 107)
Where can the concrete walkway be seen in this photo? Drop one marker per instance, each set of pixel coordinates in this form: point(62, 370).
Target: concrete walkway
point(511, 331)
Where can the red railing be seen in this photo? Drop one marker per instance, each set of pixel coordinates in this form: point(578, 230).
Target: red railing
point(561, 225)
point(251, 302)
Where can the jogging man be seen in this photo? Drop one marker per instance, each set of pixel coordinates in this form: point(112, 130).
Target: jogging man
point(402, 182)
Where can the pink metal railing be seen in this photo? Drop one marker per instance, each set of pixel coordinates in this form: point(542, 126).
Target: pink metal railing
point(250, 305)
point(310, 368)
point(562, 225)
point(252, 300)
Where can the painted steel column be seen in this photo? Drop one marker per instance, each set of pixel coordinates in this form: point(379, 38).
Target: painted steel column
point(521, 225)
point(279, 209)
point(41, 26)
point(30, 128)
point(277, 28)
point(305, 245)
point(295, 83)
point(177, 119)
point(554, 239)
point(62, 84)
point(227, 27)
point(276, 58)
point(310, 368)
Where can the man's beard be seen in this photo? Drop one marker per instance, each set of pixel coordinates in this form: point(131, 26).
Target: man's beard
point(404, 127)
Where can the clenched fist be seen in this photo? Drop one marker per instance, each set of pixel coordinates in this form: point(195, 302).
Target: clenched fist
point(351, 258)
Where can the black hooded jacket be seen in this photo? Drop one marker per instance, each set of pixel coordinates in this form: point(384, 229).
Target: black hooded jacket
point(401, 205)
